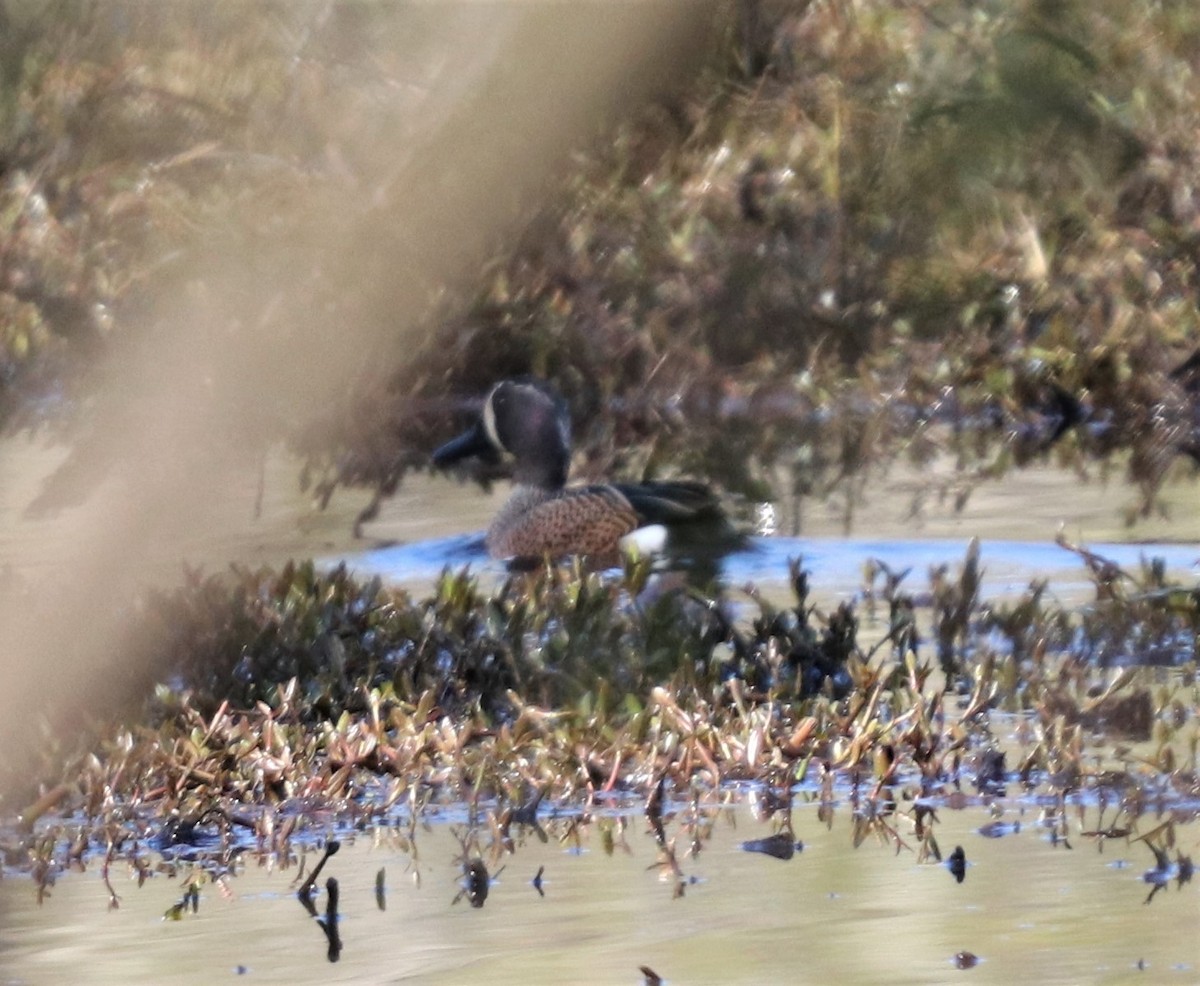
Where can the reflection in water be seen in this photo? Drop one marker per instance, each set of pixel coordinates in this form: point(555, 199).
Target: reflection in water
point(606, 906)
point(1164, 871)
point(306, 893)
point(328, 922)
point(381, 888)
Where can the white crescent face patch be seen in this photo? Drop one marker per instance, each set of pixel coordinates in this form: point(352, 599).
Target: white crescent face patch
point(541, 418)
point(489, 419)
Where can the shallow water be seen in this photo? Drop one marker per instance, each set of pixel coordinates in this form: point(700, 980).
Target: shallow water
point(835, 565)
point(435, 521)
point(1032, 911)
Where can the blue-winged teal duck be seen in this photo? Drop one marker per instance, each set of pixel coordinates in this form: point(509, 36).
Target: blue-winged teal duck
point(544, 517)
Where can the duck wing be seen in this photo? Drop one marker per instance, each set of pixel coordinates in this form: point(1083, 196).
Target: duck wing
point(671, 502)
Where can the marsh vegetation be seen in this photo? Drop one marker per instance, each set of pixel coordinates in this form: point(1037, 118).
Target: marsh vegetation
point(836, 237)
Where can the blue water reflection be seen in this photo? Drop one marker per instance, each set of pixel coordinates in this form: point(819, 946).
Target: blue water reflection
point(835, 565)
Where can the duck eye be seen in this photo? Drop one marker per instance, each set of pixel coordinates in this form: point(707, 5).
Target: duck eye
point(502, 397)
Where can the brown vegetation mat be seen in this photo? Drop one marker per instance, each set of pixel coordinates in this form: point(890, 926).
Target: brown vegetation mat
point(301, 695)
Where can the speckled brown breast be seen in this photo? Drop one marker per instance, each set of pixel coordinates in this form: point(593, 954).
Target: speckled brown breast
point(581, 520)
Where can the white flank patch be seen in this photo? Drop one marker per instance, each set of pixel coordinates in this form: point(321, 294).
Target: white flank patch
point(648, 540)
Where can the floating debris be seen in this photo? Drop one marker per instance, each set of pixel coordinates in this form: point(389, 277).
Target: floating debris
point(965, 960)
point(476, 883)
point(782, 845)
point(998, 830)
point(957, 864)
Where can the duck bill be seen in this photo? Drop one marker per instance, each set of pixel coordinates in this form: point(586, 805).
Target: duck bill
point(473, 442)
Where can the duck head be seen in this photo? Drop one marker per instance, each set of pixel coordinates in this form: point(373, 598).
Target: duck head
point(523, 419)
